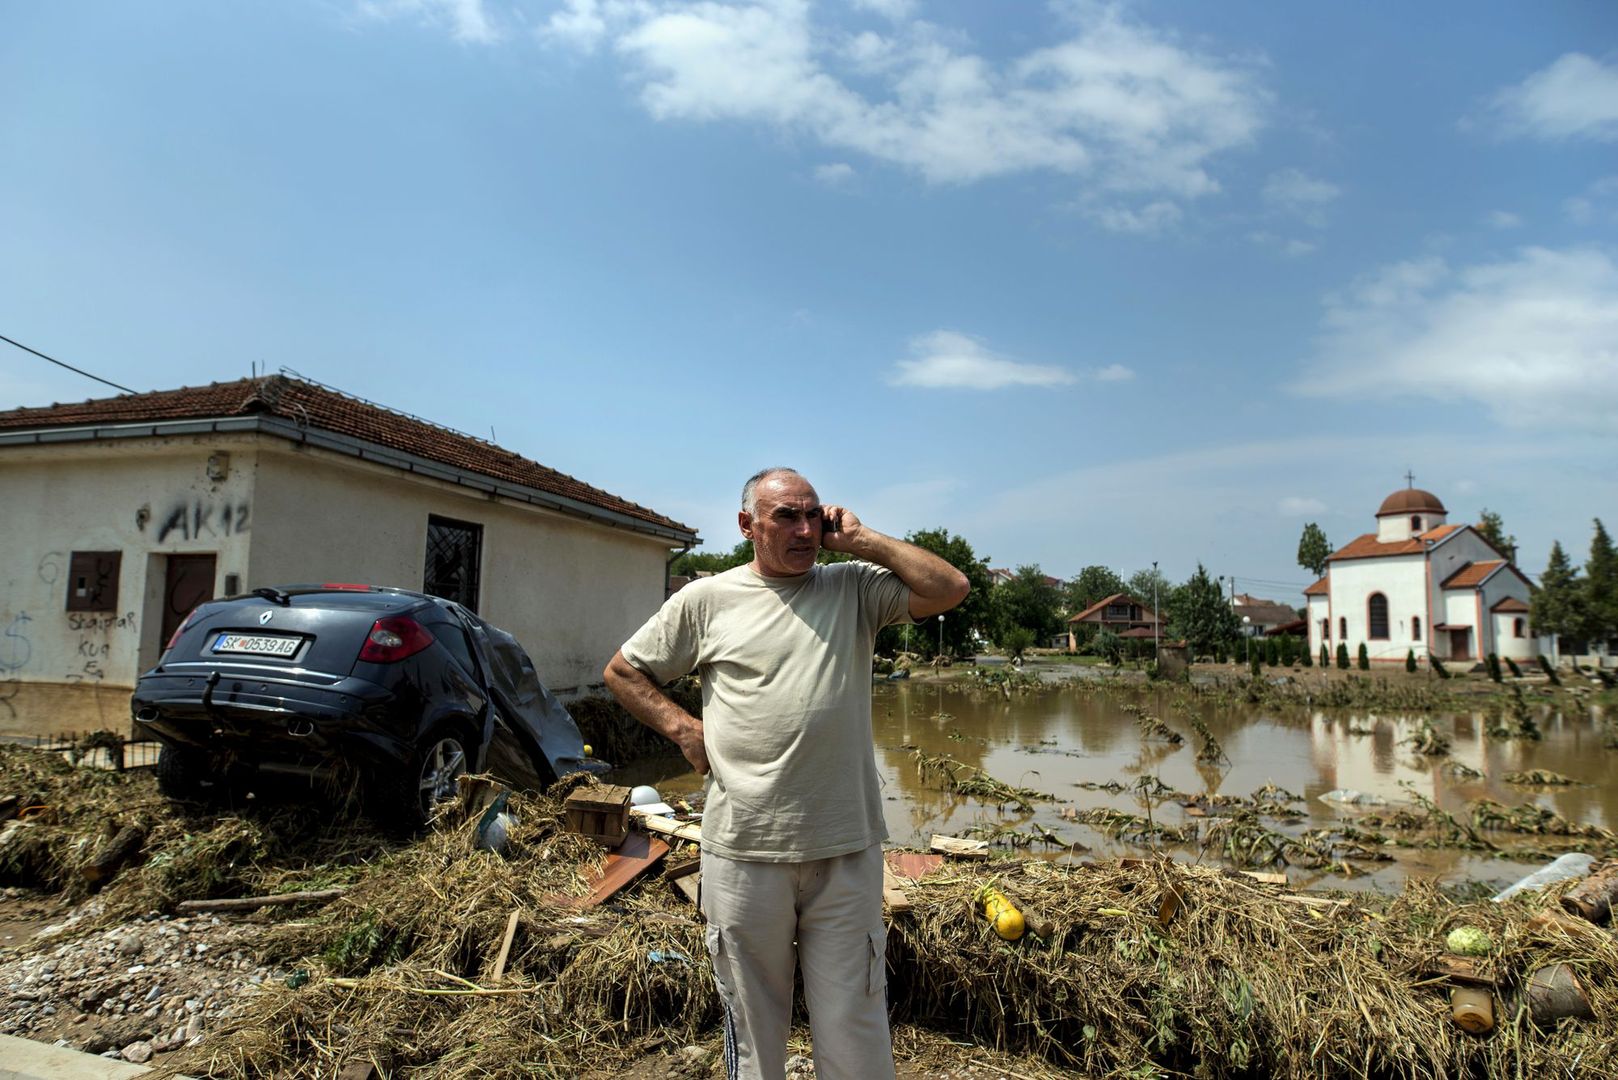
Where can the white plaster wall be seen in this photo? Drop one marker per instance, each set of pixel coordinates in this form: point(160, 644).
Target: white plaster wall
point(146, 498)
point(1318, 608)
point(1402, 579)
point(1462, 547)
point(570, 590)
point(1505, 585)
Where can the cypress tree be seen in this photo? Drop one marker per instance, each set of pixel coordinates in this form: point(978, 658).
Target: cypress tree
point(1325, 657)
point(1272, 652)
point(1342, 655)
point(1493, 663)
point(1305, 655)
point(1252, 657)
point(1410, 660)
point(1516, 672)
point(1365, 658)
point(1241, 649)
point(1443, 672)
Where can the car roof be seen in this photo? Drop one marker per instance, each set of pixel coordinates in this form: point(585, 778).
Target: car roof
point(363, 597)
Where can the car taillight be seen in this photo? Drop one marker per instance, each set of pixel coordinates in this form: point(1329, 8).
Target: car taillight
point(178, 630)
point(394, 638)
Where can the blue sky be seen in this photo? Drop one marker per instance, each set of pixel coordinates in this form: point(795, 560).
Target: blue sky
point(1085, 283)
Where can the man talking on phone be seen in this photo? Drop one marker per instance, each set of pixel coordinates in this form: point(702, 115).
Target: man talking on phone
point(792, 827)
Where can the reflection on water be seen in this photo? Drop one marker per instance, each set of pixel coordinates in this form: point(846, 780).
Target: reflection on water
point(1056, 740)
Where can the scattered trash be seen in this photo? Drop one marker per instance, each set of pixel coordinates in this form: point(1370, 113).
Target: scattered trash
point(1350, 797)
point(666, 956)
point(1001, 913)
point(495, 827)
point(297, 978)
point(1575, 864)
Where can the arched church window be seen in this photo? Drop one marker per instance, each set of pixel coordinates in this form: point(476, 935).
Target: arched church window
point(1377, 617)
point(1415, 524)
point(1342, 628)
point(1325, 629)
point(1518, 627)
point(1415, 628)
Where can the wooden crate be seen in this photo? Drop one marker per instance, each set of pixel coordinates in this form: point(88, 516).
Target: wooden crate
point(601, 813)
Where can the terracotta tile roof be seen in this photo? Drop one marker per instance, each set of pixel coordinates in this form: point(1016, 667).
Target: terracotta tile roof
point(329, 410)
point(1084, 616)
point(1369, 547)
point(1319, 588)
point(1510, 603)
point(1472, 574)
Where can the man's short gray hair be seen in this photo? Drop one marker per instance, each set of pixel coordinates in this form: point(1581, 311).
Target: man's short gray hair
point(750, 489)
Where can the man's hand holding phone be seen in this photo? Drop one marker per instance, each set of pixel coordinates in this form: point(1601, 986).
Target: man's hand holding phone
point(839, 528)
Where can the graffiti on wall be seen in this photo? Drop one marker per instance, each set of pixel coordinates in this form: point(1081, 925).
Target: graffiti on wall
point(16, 647)
point(198, 518)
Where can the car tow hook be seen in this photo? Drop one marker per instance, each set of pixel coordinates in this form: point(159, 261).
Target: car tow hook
point(207, 696)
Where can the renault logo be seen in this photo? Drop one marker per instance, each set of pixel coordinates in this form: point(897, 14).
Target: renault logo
point(265, 617)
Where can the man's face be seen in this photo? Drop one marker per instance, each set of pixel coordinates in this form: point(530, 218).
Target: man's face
point(786, 528)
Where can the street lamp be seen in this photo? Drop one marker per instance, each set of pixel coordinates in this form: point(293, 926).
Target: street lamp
point(941, 635)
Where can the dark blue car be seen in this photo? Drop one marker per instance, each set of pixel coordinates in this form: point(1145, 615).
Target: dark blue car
point(403, 690)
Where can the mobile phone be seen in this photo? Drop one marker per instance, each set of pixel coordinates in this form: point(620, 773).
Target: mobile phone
point(828, 523)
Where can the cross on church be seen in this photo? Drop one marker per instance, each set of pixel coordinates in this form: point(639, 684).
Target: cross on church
point(1410, 477)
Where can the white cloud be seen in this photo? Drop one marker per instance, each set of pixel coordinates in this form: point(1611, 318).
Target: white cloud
point(1118, 103)
point(1299, 506)
point(892, 9)
point(838, 172)
point(1149, 220)
point(949, 359)
point(1294, 192)
point(1533, 337)
point(1503, 219)
point(1291, 247)
point(1594, 204)
point(1114, 373)
point(465, 19)
point(1575, 97)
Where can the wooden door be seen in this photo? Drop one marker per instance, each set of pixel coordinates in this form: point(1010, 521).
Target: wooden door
point(187, 582)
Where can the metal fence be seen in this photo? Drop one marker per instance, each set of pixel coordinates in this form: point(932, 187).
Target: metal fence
point(102, 749)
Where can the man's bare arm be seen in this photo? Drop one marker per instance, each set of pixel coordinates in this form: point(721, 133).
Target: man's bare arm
point(935, 585)
point(636, 692)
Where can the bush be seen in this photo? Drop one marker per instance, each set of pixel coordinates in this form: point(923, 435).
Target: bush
point(1516, 672)
point(1443, 672)
point(1342, 655)
point(1241, 649)
point(1365, 658)
point(1016, 641)
point(1550, 672)
point(1493, 663)
point(1289, 650)
point(1272, 651)
point(1252, 658)
point(1304, 654)
point(1325, 657)
point(1410, 660)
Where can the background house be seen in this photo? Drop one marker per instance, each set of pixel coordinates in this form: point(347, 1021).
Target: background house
point(1120, 613)
point(1420, 584)
point(1260, 617)
point(121, 514)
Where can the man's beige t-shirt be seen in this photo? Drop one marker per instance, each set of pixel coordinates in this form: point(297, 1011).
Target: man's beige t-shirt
point(786, 703)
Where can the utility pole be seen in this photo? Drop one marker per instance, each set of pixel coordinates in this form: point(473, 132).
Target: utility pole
point(1157, 616)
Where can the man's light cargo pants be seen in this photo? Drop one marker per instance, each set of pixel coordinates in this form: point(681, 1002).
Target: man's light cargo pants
point(832, 909)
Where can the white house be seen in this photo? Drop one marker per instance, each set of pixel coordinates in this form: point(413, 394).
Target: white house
point(117, 516)
point(1419, 583)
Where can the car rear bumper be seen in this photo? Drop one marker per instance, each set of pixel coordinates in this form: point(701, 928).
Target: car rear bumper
point(279, 724)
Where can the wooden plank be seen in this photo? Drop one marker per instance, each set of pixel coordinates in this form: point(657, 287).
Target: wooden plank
point(689, 886)
point(1267, 879)
point(250, 903)
point(893, 895)
point(960, 847)
point(1457, 969)
point(505, 947)
point(636, 855)
point(914, 865)
point(667, 826)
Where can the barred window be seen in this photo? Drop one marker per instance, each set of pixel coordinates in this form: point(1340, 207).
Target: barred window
point(453, 560)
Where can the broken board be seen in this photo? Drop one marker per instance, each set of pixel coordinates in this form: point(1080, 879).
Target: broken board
point(893, 895)
point(680, 830)
point(960, 847)
point(914, 865)
point(636, 855)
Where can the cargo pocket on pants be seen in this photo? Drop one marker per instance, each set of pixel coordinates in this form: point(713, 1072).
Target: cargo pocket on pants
point(876, 976)
point(727, 996)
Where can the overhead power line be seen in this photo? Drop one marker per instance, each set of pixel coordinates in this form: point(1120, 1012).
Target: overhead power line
point(70, 367)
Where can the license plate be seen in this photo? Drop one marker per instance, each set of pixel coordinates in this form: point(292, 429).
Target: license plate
point(257, 644)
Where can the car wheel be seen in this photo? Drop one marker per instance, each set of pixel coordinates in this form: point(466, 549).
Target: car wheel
point(184, 773)
point(430, 779)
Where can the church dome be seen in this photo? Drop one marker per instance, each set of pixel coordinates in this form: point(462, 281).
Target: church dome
point(1411, 501)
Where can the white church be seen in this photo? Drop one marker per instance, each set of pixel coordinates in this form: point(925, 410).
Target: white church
point(1420, 583)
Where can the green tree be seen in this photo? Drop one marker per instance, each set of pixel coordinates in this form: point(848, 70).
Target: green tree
point(715, 562)
point(1304, 654)
point(1272, 651)
point(1313, 549)
point(1030, 601)
point(1492, 663)
point(1365, 658)
point(1342, 655)
point(1410, 660)
point(1325, 657)
point(1108, 645)
point(1141, 587)
point(1016, 641)
point(1253, 661)
point(1241, 648)
point(1199, 614)
point(1558, 606)
point(1092, 583)
point(1601, 587)
point(1289, 650)
point(975, 614)
point(1492, 529)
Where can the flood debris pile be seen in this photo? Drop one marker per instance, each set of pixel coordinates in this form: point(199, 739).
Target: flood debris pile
point(1209, 973)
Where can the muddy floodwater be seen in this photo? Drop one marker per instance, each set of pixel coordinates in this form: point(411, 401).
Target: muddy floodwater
point(1056, 740)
